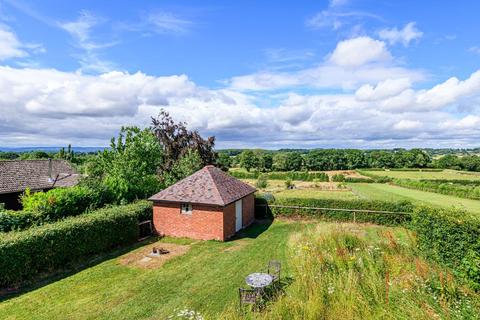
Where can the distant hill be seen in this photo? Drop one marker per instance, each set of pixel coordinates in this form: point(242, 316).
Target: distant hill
point(50, 149)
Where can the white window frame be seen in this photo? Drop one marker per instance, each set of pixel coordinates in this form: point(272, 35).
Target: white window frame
point(186, 208)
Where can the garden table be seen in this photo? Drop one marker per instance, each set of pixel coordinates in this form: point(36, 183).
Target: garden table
point(258, 280)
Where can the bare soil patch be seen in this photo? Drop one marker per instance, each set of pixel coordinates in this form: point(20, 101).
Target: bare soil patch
point(145, 259)
point(346, 173)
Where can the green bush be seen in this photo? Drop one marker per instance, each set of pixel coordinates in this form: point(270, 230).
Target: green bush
point(58, 203)
point(277, 175)
point(45, 249)
point(358, 180)
point(450, 237)
point(357, 204)
point(338, 178)
point(261, 182)
point(17, 220)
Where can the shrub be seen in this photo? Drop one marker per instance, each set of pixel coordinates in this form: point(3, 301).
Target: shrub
point(346, 215)
point(278, 175)
point(358, 180)
point(17, 220)
point(262, 182)
point(462, 189)
point(338, 178)
point(450, 237)
point(58, 203)
point(289, 184)
point(45, 249)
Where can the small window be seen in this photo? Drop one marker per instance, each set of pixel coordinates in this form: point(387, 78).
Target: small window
point(186, 208)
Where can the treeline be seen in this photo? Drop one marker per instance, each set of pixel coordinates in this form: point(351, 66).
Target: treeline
point(327, 159)
point(342, 159)
point(467, 163)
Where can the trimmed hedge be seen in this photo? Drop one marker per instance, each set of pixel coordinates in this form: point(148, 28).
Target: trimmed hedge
point(277, 175)
point(44, 249)
point(357, 204)
point(17, 220)
point(451, 237)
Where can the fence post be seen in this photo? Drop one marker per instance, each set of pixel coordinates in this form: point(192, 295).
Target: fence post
point(354, 217)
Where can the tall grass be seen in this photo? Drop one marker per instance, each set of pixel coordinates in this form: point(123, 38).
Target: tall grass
point(341, 275)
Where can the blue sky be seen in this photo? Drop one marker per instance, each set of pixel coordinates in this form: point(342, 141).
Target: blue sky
point(343, 73)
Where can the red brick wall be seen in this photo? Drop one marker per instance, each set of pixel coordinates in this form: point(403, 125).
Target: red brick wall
point(205, 222)
point(248, 207)
point(229, 221)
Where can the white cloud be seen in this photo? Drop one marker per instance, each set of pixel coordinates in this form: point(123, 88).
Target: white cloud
point(338, 3)
point(10, 46)
point(407, 125)
point(81, 30)
point(475, 49)
point(82, 109)
point(384, 89)
point(354, 62)
point(167, 22)
point(406, 35)
point(334, 19)
point(359, 51)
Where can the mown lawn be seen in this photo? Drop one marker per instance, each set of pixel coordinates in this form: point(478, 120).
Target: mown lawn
point(377, 191)
point(445, 174)
point(207, 277)
point(316, 194)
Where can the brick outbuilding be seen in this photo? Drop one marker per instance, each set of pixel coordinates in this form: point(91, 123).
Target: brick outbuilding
point(208, 205)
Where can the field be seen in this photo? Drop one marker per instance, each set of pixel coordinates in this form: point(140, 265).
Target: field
point(206, 279)
point(445, 174)
point(373, 191)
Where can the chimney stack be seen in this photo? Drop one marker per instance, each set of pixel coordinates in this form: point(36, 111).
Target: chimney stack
point(50, 179)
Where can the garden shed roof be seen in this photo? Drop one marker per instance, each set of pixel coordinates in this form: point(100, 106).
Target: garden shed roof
point(209, 185)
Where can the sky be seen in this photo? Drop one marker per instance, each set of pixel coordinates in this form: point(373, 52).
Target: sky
point(257, 74)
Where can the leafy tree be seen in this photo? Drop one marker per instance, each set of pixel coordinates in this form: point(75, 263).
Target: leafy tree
point(9, 155)
point(248, 160)
point(267, 161)
point(224, 161)
point(185, 166)
point(294, 161)
point(129, 168)
point(176, 141)
point(448, 161)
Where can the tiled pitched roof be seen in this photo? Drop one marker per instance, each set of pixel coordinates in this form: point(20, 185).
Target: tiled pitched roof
point(17, 175)
point(209, 185)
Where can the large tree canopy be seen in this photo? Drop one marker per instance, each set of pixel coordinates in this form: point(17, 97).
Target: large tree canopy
point(177, 141)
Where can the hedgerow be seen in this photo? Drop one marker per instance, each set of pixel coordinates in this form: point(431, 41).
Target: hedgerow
point(358, 180)
point(400, 207)
point(50, 247)
point(450, 237)
point(277, 175)
point(463, 189)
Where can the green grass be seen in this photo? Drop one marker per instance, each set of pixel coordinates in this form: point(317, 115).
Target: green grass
point(316, 194)
point(207, 277)
point(388, 192)
point(445, 174)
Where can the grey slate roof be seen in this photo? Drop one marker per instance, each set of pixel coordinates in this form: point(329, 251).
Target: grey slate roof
point(209, 185)
point(17, 175)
